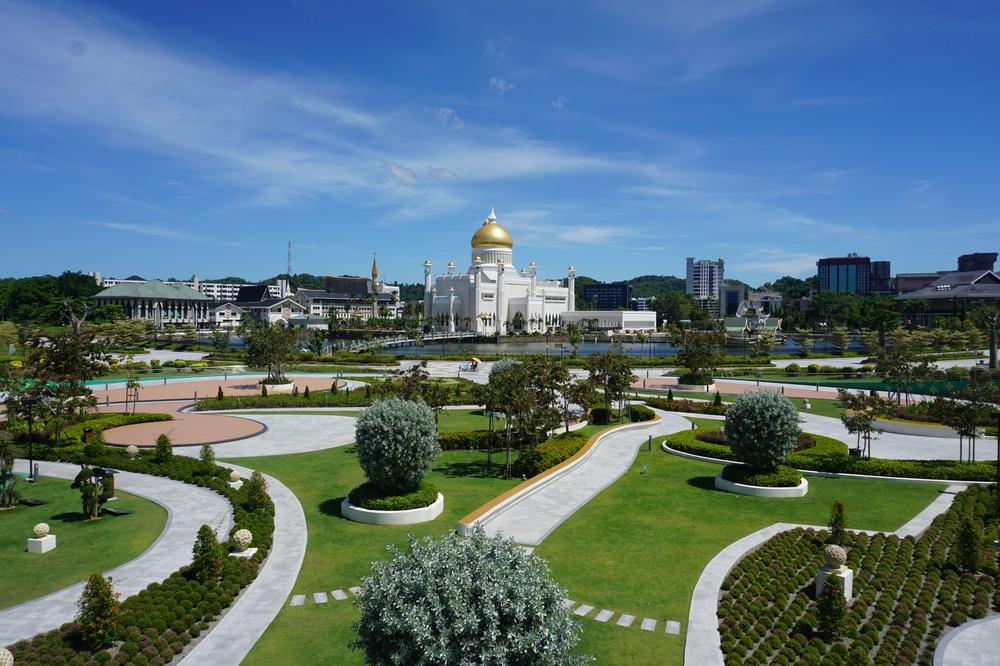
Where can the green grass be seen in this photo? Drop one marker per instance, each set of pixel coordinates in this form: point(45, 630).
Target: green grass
point(639, 546)
point(340, 552)
point(450, 420)
point(820, 406)
point(83, 547)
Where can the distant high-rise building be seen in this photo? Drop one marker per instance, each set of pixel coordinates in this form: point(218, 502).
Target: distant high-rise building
point(608, 295)
point(881, 278)
point(977, 261)
point(731, 296)
point(853, 274)
point(704, 282)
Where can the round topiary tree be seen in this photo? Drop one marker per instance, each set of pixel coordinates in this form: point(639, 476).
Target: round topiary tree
point(397, 443)
point(480, 600)
point(762, 429)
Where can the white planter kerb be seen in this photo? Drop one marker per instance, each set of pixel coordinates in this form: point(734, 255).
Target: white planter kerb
point(761, 491)
point(280, 389)
point(408, 517)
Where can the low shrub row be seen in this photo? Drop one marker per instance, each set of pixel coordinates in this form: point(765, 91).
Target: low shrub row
point(161, 620)
point(687, 406)
point(829, 455)
point(783, 477)
point(718, 436)
point(638, 413)
point(454, 393)
point(369, 496)
point(907, 592)
point(550, 453)
point(472, 440)
point(74, 433)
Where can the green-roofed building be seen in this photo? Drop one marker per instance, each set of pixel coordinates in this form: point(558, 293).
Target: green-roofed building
point(159, 302)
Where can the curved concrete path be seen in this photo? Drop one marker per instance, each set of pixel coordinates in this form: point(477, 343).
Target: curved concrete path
point(232, 638)
point(188, 508)
point(532, 516)
point(284, 434)
point(703, 646)
point(974, 643)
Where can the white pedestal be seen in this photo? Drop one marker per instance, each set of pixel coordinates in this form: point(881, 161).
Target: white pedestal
point(42, 544)
point(244, 554)
point(845, 575)
point(235, 485)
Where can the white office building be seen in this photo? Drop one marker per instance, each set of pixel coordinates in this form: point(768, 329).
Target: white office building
point(704, 282)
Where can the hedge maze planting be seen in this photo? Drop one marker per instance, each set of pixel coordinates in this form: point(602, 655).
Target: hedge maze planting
point(907, 592)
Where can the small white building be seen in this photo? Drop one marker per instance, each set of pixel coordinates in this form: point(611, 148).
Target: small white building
point(611, 321)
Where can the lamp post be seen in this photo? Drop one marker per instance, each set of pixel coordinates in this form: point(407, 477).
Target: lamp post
point(28, 404)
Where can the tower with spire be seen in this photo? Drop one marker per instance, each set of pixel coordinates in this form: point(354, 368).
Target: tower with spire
point(374, 273)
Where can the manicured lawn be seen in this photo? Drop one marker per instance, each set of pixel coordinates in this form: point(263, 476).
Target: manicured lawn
point(340, 552)
point(640, 545)
point(83, 547)
point(450, 420)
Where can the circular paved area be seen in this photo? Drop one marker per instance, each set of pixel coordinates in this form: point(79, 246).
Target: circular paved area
point(190, 428)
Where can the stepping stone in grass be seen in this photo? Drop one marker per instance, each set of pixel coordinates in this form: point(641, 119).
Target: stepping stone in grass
point(604, 615)
point(568, 603)
point(583, 610)
point(297, 600)
point(626, 620)
point(648, 624)
point(339, 595)
point(673, 627)
point(354, 590)
point(319, 597)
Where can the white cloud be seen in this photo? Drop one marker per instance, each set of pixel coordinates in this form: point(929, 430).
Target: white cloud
point(500, 86)
point(402, 174)
point(148, 230)
point(448, 117)
point(559, 102)
point(774, 263)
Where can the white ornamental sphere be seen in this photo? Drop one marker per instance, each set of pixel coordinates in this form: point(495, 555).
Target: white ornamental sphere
point(836, 556)
point(6, 658)
point(234, 476)
point(132, 451)
point(242, 539)
point(40, 530)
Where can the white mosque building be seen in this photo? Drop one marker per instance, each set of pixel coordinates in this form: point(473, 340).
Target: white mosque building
point(493, 296)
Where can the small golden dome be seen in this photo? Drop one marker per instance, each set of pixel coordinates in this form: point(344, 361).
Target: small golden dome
point(492, 234)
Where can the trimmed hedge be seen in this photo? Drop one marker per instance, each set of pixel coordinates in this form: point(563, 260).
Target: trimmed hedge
point(369, 496)
point(550, 453)
point(783, 477)
point(466, 441)
point(161, 620)
point(687, 406)
point(830, 455)
point(638, 413)
point(806, 441)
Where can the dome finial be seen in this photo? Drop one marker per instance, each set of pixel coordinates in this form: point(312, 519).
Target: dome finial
point(492, 217)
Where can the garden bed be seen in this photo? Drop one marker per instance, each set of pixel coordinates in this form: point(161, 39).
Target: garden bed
point(368, 504)
point(907, 593)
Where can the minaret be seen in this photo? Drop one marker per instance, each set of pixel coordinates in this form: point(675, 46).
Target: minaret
point(427, 289)
point(374, 274)
point(451, 310)
point(533, 272)
point(571, 285)
point(501, 305)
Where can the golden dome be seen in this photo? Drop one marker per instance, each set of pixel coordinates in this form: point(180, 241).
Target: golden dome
point(492, 234)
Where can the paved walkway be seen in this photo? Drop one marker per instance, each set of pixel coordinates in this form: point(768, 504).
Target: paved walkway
point(975, 643)
point(244, 623)
point(703, 646)
point(541, 509)
point(188, 508)
point(286, 433)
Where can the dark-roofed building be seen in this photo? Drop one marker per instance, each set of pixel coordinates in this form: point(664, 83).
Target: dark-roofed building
point(159, 302)
point(955, 293)
point(347, 297)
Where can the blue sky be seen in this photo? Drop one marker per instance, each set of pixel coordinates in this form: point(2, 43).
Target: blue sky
point(168, 139)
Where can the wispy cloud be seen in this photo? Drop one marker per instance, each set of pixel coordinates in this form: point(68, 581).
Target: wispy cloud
point(774, 263)
point(448, 117)
point(559, 102)
point(542, 228)
point(500, 86)
point(148, 230)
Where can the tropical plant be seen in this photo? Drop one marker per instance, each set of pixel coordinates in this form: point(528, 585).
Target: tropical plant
point(98, 614)
point(93, 493)
point(397, 443)
point(455, 600)
point(270, 346)
point(762, 429)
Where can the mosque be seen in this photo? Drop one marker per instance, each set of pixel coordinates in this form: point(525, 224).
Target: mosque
point(493, 296)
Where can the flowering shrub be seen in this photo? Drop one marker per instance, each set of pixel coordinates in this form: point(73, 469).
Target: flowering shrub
point(476, 600)
point(687, 406)
point(762, 429)
point(907, 593)
point(397, 443)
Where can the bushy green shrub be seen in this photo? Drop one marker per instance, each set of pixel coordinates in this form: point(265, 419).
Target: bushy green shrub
point(550, 453)
point(98, 613)
point(695, 378)
point(163, 451)
point(831, 608)
point(762, 429)
point(397, 443)
point(464, 441)
point(638, 413)
point(687, 406)
point(207, 561)
point(600, 416)
point(464, 600)
point(371, 496)
point(782, 477)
